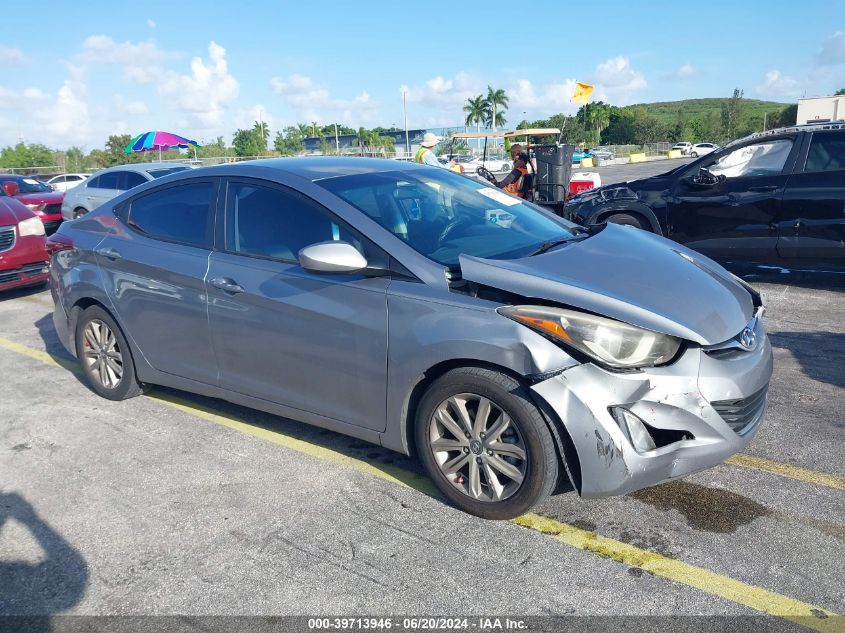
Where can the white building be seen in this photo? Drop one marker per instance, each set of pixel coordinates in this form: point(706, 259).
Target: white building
point(821, 109)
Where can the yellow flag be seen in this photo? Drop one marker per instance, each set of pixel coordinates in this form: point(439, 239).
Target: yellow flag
point(582, 92)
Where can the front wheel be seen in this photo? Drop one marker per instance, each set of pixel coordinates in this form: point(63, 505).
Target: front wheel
point(484, 443)
point(694, 154)
point(105, 356)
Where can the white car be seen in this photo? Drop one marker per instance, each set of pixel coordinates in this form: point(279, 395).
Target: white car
point(109, 183)
point(684, 147)
point(64, 182)
point(492, 164)
point(700, 149)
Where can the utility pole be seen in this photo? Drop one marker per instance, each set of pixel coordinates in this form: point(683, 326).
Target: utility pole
point(261, 125)
point(405, 112)
point(336, 140)
point(765, 114)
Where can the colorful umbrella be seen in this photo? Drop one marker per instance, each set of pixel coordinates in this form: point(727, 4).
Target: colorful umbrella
point(156, 140)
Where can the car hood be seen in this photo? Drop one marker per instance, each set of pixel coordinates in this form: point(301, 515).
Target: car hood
point(46, 197)
point(632, 276)
point(12, 211)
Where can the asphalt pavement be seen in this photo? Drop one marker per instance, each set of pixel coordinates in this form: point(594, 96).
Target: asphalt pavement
point(173, 504)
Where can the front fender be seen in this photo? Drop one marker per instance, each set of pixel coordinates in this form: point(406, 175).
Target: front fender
point(601, 213)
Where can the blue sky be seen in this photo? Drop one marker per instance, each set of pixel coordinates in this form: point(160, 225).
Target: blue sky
point(72, 76)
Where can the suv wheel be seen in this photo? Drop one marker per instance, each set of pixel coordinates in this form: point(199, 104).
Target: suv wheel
point(484, 443)
point(105, 356)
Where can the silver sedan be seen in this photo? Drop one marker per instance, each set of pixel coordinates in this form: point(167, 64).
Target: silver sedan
point(514, 353)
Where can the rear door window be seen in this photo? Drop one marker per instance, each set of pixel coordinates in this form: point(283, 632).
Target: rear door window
point(130, 179)
point(176, 214)
point(109, 180)
point(827, 152)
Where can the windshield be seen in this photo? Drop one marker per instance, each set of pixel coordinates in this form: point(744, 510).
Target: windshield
point(28, 185)
point(443, 215)
point(166, 171)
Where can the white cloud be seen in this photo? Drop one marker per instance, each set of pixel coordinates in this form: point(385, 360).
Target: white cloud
point(10, 56)
point(440, 92)
point(151, 24)
point(139, 61)
point(550, 98)
point(65, 119)
point(833, 50)
point(205, 94)
point(684, 71)
point(776, 85)
point(616, 81)
point(122, 106)
point(313, 102)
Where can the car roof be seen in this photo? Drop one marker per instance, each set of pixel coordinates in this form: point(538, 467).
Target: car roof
point(316, 167)
point(141, 167)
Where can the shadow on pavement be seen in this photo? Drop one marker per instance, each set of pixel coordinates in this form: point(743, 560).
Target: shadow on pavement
point(820, 354)
point(17, 293)
point(40, 589)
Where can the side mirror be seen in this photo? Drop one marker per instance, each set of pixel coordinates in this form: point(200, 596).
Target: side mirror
point(11, 188)
point(331, 257)
point(706, 178)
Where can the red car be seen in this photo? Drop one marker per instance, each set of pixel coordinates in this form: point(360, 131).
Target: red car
point(38, 197)
point(23, 247)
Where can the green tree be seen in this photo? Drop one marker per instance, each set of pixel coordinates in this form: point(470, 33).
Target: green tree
point(289, 141)
point(22, 155)
point(841, 91)
point(251, 142)
point(214, 149)
point(496, 104)
point(732, 112)
point(476, 112)
point(75, 159)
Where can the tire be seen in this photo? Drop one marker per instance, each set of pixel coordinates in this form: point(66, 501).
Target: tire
point(496, 469)
point(105, 356)
point(625, 219)
point(694, 154)
point(78, 212)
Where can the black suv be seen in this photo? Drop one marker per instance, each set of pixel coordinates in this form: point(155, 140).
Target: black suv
point(776, 197)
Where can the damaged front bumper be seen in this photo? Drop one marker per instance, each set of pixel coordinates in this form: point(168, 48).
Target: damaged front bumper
point(697, 412)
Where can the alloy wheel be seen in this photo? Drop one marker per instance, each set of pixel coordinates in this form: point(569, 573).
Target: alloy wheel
point(102, 354)
point(478, 447)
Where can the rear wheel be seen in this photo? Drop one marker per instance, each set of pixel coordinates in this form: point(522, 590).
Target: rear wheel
point(625, 219)
point(105, 357)
point(484, 443)
point(78, 212)
point(694, 154)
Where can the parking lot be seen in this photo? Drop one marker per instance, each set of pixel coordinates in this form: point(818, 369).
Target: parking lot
point(174, 504)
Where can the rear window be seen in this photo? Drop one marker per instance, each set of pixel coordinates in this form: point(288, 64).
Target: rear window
point(827, 152)
point(166, 171)
point(176, 214)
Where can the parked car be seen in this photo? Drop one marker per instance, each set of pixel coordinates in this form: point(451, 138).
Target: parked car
point(66, 181)
point(393, 303)
point(684, 147)
point(491, 164)
point(601, 152)
point(108, 183)
point(37, 197)
point(771, 198)
point(702, 149)
point(23, 249)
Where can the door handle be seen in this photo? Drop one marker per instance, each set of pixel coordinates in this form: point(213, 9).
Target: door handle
point(226, 285)
point(762, 188)
point(90, 197)
point(109, 253)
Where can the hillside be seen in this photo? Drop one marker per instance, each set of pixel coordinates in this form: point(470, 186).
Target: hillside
point(667, 111)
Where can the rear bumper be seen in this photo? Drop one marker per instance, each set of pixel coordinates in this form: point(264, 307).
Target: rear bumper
point(684, 398)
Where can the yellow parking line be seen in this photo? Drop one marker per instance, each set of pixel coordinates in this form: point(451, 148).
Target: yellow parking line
point(785, 470)
point(725, 587)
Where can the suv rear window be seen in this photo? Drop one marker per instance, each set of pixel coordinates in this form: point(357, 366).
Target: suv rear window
point(827, 152)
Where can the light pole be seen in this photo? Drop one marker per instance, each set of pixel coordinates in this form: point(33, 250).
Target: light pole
point(405, 112)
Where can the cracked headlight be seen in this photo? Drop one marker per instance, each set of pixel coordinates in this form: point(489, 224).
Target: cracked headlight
point(612, 343)
point(30, 226)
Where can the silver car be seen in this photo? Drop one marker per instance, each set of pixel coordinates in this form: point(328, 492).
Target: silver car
point(108, 183)
point(515, 353)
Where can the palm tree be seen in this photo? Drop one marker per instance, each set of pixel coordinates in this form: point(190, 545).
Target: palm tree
point(496, 105)
point(476, 110)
